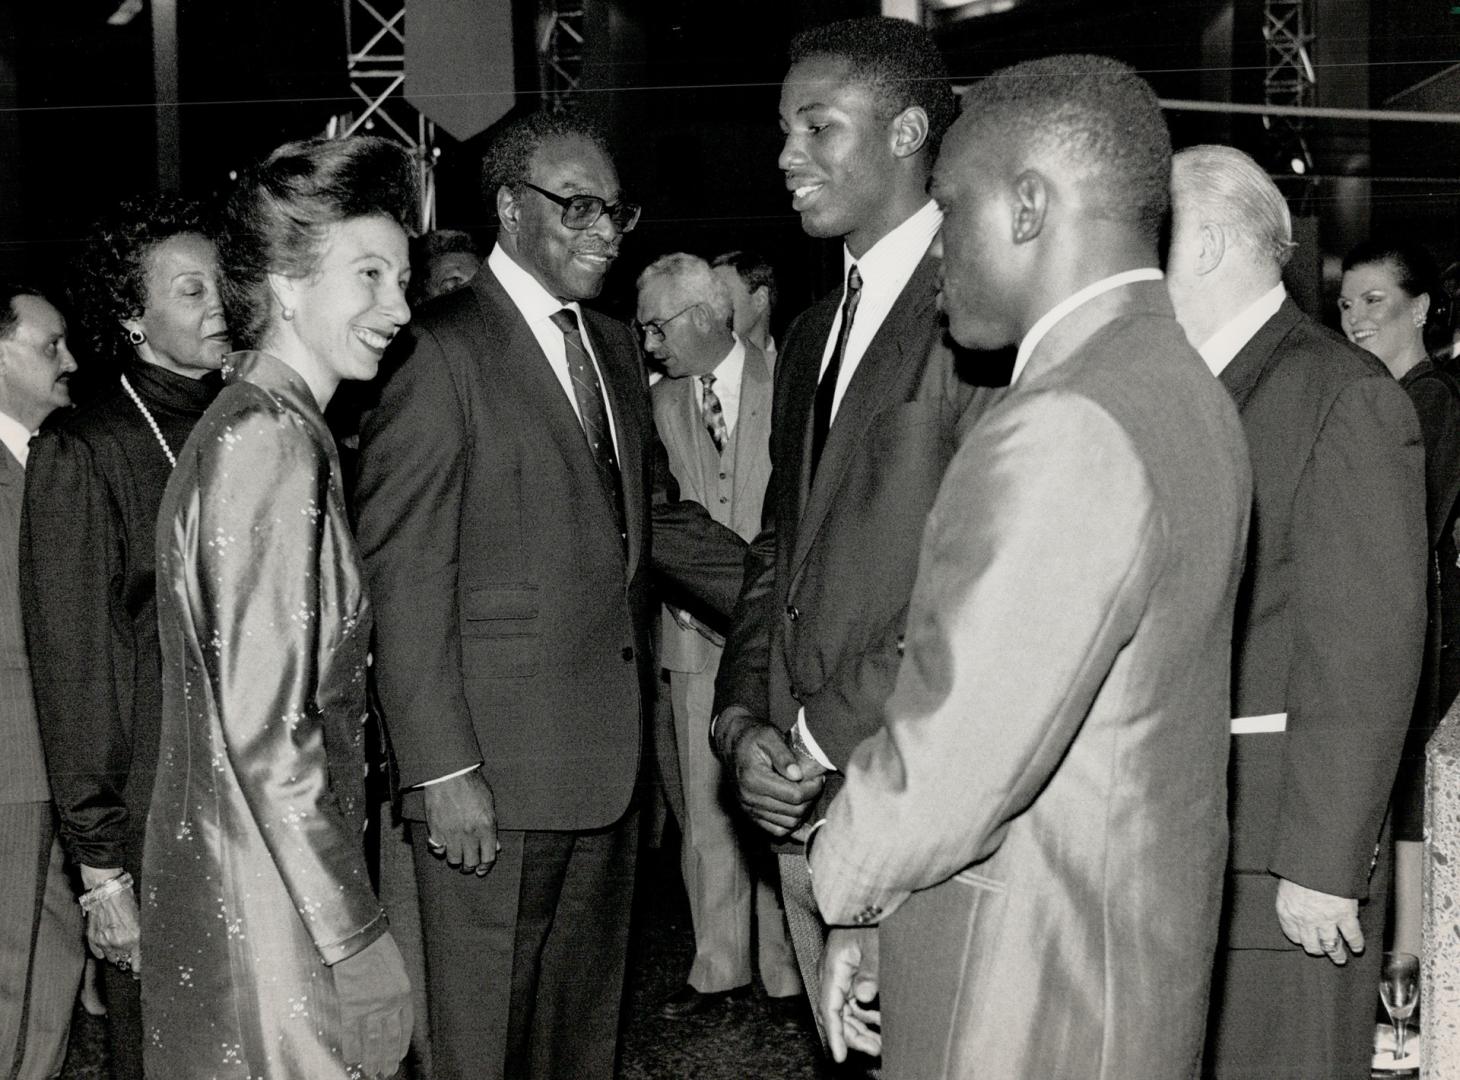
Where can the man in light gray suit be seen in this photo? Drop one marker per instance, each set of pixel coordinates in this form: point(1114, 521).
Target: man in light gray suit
point(40, 929)
point(1032, 845)
point(713, 413)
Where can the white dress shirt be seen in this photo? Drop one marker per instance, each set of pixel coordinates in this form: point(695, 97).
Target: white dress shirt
point(728, 374)
point(538, 306)
point(1222, 347)
point(15, 437)
point(885, 268)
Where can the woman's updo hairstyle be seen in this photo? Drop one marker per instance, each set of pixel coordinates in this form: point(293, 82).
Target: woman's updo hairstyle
point(277, 217)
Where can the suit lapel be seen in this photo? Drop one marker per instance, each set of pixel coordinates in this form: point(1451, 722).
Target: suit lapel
point(624, 385)
point(1247, 369)
point(522, 360)
point(752, 425)
point(865, 396)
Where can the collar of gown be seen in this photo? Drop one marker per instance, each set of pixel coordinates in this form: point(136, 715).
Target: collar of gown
point(169, 390)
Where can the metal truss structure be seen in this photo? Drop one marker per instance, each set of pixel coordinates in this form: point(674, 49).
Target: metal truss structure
point(1288, 77)
point(375, 52)
point(561, 48)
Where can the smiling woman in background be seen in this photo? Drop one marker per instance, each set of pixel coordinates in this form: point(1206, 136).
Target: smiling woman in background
point(1390, 296)
point(152, 336)
point(267, 952)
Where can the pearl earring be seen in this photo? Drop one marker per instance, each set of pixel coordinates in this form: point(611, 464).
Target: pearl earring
point(287, 314)
point(136, 337)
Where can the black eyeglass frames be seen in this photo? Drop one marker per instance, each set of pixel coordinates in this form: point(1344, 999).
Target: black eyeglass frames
point(655, 327)
point(582, 211)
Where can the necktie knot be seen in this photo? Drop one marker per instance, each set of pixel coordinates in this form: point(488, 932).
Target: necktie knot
point(566, 321)
point(708, 380)
point(713, 413)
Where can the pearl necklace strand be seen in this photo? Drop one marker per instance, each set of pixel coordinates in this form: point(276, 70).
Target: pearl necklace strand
point(151, 421)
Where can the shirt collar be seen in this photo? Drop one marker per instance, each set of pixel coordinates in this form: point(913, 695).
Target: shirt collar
point(15, 437)
point(525, 291)
point(727, 372)
point(893, 258)
point(1222, 347)
point(1046, 322)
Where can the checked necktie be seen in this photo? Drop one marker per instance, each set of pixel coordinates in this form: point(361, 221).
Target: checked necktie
point(713, 413)
point(592, 411)
point(826, 388)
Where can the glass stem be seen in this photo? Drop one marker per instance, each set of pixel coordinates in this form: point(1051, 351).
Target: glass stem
point(1401, 1029)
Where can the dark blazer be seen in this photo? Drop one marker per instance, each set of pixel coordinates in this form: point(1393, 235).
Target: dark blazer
point(512, 621)
point(22, 765)
point(820, 621)
point(1331, 620)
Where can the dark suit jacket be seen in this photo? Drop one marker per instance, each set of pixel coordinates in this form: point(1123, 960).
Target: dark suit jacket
point(1331, 620)
point(512, 621)
point(22, 764)
point(820, 621)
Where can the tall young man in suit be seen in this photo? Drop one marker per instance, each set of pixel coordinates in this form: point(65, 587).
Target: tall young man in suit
point(713, 413)
point(513, 502)
point(1328, 641)
point(868, 401)
point(40, 933)
point(1032, 845)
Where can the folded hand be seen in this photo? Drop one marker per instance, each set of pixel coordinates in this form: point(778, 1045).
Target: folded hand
point(772, 785)
point(461, 822)
point(1319, 922)
point(848, 991)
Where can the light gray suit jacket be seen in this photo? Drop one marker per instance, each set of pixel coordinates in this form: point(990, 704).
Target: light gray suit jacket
point(691, 456)
point(22, 763)
point(1040, 826)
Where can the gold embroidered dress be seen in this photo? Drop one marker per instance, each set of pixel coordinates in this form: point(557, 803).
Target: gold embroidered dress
point(254, 869)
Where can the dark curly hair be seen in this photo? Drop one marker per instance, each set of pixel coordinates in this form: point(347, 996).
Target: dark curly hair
point(1098, 118)
point(897, 60)
point(109, 278)
point(275, 220)
point(507, 159)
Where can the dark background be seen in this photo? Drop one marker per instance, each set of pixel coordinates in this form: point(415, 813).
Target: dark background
point(689, 89)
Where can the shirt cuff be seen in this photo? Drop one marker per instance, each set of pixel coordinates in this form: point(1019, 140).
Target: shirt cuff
point(449, 776)
point(807, 740)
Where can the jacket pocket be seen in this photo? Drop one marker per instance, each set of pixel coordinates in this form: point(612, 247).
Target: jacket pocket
point(501, 602)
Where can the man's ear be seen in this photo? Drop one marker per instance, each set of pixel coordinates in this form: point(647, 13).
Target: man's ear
point(761, 298)
point(1212, 247)
point(909, 131)
point(1031, 202)
point(508, 209)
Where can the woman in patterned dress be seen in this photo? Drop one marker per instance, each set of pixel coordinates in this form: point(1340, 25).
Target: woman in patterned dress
point(267, 951)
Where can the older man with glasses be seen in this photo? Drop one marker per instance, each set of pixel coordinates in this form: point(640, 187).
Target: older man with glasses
point(513, 504)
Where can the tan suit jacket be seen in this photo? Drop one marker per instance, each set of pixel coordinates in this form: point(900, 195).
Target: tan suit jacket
point(685, 438)
point(1039, 828)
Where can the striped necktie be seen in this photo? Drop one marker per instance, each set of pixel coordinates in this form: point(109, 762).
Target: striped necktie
point(592, 411)
point(826, 388)
point(713, 413)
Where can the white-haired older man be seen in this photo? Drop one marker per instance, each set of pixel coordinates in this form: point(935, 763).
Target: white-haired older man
point(713, 412)
point(1328, 637)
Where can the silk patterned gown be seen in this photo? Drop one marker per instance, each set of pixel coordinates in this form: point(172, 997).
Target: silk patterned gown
point(254, 867)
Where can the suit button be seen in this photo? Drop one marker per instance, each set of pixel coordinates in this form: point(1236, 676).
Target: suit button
point(901, 645)
point(724, 499)
point(792, 613)
point(628, 653)
point(867, 915)
point(723, 476)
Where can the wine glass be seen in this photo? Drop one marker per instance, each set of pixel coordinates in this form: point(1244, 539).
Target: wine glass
point(1399, 990)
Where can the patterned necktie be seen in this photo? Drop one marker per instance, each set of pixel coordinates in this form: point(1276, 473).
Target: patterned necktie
point(826, 388)
point(713, 413)
point(592, 411)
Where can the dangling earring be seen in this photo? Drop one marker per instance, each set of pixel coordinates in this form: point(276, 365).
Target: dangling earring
point(136, 337)
point(287, 314)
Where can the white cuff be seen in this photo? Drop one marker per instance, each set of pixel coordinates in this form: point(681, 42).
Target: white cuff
point(449, 776)
point(808, 741)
